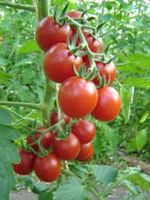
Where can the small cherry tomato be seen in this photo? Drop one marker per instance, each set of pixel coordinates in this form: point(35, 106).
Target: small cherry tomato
point(59, 62)
point(26, 164)
point(108, 104)
point(77, 97)
point(47, 168)
point(46, 140)
point(84, 130)
point(86, 152)
point(49, 33)
point(54, 118)
point(68, 148)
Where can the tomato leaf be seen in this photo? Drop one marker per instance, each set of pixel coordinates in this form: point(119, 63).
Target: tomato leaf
point(29, 46)
point(5, 116)
point(140, 180)
point(8, 155)
point(71, 189)
point(105, 174)
point(141, 139)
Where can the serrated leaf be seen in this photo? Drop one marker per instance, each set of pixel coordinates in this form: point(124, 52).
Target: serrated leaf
point(71, 189)
point(141, 139)
point(127, 94)
point(105, 174)
point(8, 155)
point(5, 117)
point(29, 46)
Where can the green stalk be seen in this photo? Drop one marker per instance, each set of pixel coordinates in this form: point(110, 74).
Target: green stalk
point(18, 6)
point(23, 104)
point(41, 7)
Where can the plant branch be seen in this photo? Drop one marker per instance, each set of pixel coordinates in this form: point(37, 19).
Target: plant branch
point(23, 104)
point(18, 6)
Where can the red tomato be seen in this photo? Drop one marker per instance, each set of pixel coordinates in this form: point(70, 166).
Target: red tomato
point(49, 33)
point(77, 97)
point(26, 164)
point(47, 168)
point(45, 141)
point(94, 44)
point(54, 118)
point(68, 148)
point(84, 130)
point(74, 14)
point(107, 70)
point(108, 104)
point(86, 152)
point(59, 62)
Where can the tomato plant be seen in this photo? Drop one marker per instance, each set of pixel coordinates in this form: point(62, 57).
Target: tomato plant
point(108, 104)
point(84, 130)
point(47, 168)
point(49, 33)
point(68, 148)
point(58, 63)
point(26, 164)
point(77, 97)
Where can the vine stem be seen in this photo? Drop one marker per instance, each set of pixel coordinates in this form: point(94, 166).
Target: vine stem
point(23, 104)
point(18, 6)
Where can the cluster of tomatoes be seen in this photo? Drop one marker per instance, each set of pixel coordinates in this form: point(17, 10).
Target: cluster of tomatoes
point(77, 145)
point(77, 98)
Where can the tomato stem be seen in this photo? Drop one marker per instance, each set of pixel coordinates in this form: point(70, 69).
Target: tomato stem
point(23, 104)
point(18, 6)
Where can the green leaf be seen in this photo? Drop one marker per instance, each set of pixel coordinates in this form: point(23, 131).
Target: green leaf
point(4, 77)
point(140, 180)
point(127, 94)
point(45, 196)
point(141, 139)
point(138, 82)
point(8, 155)
point(29, 46)
point(144, 117)
point(71, 189)
point(5, 117)
point(105, 174)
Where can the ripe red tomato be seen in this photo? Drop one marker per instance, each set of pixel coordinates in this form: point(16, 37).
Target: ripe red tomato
point(84, 130)
point(47, 168)
point(74, 14)
point(26, 164)
point(77, 97)
point(68, 148)
point(108, 104)
point(54, 118)
point(86, 152)
point(46, 141)
point(94, 44)
point(49, 33)
point(107, 70)
point(59, 62)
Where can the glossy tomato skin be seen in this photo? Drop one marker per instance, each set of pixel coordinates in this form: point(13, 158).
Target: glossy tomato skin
point(26, 164)
point(58, 63)
point(47, 168)
point(108, 104)
point(77, 97)
point(74, 14)
point(68, 148)
point(50, 33)
point(46, 141)
point(86, 152)
point(54, 118)
point(84, 130)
